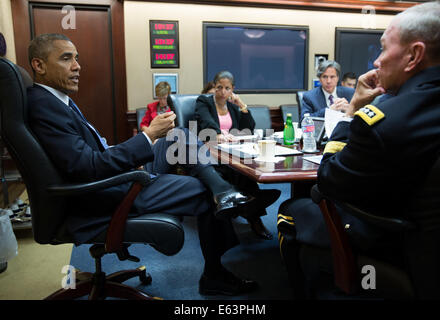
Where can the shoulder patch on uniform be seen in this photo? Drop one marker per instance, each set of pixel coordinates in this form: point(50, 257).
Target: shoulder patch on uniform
point(370, 114)
point(285, 219)
point(334, 146)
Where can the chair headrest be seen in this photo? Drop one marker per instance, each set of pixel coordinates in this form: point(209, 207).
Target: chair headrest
point(27, 80)
point(35, 167)
point(184, 106)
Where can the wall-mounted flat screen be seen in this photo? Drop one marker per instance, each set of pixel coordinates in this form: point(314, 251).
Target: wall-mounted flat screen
point(357, 49)
point(262, 58)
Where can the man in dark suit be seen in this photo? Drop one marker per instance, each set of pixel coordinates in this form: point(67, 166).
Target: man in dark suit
point(81, 154)
point(379, 159)
point(328, 95)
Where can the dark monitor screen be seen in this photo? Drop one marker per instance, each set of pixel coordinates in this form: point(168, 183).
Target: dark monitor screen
point(357, 49)
point(262, 58)
point(319, 128)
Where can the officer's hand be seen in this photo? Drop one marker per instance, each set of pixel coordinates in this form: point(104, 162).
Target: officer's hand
point(367, 89)
point(160, 125)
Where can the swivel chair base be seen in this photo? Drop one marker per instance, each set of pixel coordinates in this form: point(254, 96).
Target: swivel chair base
point(99, 286)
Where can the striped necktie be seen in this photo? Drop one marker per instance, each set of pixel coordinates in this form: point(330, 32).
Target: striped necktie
point(330, 98)
point(76, 109)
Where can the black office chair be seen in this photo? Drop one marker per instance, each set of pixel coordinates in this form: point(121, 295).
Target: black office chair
point(417, 278)
point(299, 102)
point(184, 105)
point(261, 115)
point(140, 113)
point(48, 193)
point(290, 108)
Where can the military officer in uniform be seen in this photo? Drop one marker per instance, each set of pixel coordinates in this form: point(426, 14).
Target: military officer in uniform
point(381, 155)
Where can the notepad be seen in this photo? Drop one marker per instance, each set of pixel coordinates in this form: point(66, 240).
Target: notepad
point(246, 138)
point(246, 150)
point(283, 151)
point(314, 159)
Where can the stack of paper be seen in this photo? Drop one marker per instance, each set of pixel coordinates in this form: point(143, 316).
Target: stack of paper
point(332, 117)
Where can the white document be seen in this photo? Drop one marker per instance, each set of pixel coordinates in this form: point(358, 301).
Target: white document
point(332, 117)
point(283, 151)
point(314, 159)
point(244, 138)
point(248, 148)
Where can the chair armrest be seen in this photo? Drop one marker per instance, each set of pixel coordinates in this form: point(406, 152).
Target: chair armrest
point(140, 176)
point(115, 231)
point(387, 223)
point(344, 262)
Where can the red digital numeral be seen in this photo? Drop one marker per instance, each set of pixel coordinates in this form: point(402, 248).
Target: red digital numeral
point(164, 41)
point(164, 56)
point(160, 26)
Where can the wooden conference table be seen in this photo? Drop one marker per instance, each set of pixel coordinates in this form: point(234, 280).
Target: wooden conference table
point(293, 169)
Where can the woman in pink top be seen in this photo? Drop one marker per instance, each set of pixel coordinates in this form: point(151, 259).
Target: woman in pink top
point(223, 111)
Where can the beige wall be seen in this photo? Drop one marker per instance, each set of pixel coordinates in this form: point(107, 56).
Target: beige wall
point(137, 15)
point(6, 28)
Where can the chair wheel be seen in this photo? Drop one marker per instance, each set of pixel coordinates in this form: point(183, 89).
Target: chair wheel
point(3, 266)
point(145, 278)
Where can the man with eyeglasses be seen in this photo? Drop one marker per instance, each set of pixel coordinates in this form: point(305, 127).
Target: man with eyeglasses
point(328, 95)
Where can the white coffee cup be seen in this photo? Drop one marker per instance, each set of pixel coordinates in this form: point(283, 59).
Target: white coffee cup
point(266, 149)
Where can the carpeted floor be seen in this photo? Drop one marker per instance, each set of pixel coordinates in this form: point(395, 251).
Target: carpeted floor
point(176, 277)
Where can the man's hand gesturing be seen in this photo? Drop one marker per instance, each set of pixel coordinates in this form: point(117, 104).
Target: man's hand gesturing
point(160, 125)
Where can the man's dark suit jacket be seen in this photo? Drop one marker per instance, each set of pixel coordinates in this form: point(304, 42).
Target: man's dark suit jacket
point(207, 116)
point(76, 151)
point(74, 147)
point(315, 104)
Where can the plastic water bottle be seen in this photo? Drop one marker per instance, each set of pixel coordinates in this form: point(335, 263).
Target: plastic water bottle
point(289, 131)
point(308, 129)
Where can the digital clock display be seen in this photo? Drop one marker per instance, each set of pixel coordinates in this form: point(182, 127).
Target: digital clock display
point(164, 44)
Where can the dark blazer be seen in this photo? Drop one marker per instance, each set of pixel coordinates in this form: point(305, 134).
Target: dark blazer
point(315, 104)
point(75, 150)
point(380, 162)
point(73, 146)
point(380, 159)
point(207, 116)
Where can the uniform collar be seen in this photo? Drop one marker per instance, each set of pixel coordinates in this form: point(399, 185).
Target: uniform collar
point(431, 74)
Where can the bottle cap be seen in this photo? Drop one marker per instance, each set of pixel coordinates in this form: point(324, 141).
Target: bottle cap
point(307, 115)
point(289, 114)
